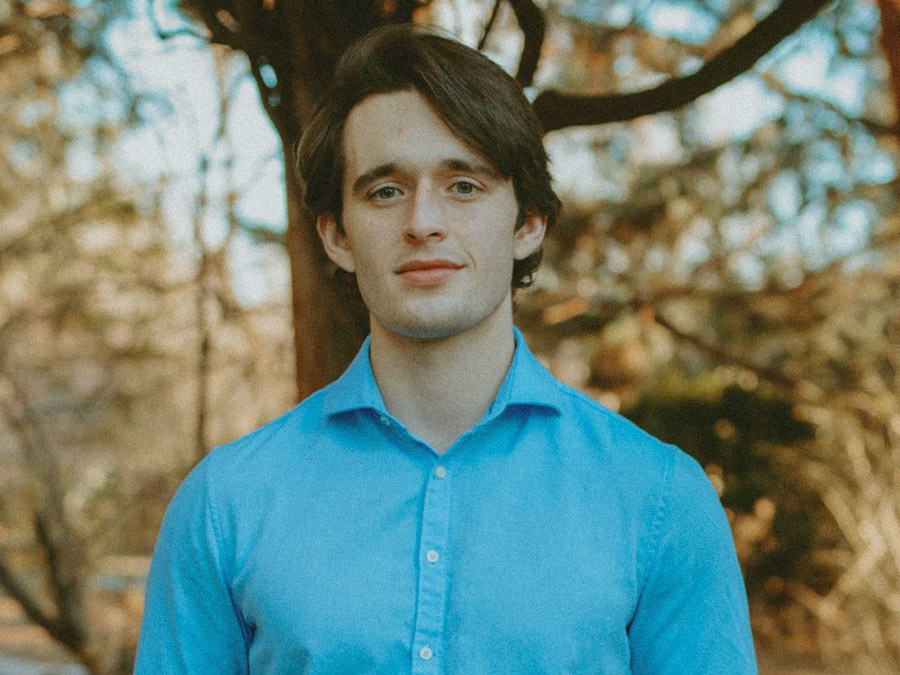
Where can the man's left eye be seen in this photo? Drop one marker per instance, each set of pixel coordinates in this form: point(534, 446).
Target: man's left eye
point(385, 193)
point(465, 187)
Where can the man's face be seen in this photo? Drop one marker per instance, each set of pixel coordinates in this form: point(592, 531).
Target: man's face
point(429, 225)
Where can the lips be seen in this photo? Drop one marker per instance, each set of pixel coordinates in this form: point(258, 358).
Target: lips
point(428, 272)
point(435, 264)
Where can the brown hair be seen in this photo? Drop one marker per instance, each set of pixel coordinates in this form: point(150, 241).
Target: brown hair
point(483, 106)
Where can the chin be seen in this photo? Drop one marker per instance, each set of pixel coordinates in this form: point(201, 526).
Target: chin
point(437, 320)
point(428, 328)
point(427, 332)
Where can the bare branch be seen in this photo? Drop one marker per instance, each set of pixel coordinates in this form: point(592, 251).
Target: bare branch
point(779, 87)
point(66, 627)
point(66, 586)
point(260, 233)
point(773, 376)
point(26, 600)
point(169, 34)
point(489, 25)
point(531, 21)
point(201, 280)
point(32, 449)
point(556, 110)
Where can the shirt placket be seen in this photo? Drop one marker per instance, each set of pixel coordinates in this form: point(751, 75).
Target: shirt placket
point(428, 645)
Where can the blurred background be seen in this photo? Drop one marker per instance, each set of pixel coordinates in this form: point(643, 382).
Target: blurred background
point(726, 274)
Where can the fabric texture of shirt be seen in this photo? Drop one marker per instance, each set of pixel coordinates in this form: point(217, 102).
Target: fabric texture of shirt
point(553, 537)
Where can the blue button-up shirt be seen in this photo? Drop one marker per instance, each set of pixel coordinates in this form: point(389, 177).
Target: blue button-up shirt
point(552, 537)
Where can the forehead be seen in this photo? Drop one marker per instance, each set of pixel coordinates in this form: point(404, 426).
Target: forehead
point(399, 128)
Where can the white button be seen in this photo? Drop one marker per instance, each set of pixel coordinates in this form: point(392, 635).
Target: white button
point(440, 472)
point(425, 653)
point(432, 556)
point(384, 420)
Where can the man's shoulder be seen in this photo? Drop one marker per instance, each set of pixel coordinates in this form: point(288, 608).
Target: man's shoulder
point(619, 443)
point(285, 435)
point(241, 475)
point(579, 415)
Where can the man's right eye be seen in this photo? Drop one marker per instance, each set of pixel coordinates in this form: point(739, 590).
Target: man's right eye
point(385, 193)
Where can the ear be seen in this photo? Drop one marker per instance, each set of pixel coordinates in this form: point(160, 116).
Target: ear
point(529, 237)
point(335, 242)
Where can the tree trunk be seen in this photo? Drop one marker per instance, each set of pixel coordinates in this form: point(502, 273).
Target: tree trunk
point(890, 44)
point(328, 327)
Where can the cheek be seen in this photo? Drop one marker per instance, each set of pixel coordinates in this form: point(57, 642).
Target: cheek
point(363, 244)
point(490, 227)
point(371, 260)
point(499, 246)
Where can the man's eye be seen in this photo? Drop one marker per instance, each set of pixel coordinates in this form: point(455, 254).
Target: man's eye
point(386, 192)
point(465, 187)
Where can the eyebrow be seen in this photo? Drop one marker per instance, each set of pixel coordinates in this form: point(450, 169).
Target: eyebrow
point(379, 171)
point(452, 164)
point(466, 166)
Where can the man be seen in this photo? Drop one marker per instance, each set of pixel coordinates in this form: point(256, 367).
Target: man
point(446, 506)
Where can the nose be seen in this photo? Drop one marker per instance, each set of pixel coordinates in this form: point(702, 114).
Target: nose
point(425, 219)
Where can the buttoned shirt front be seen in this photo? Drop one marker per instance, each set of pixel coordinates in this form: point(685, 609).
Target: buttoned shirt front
point(552, 537)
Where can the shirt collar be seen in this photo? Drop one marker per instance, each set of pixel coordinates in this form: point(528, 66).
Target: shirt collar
point(356, 388)
point(527, 383)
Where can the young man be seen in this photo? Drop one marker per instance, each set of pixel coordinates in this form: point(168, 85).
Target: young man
point(446, 506)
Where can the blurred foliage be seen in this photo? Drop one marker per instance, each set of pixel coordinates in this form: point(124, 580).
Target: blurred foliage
point(101, 325)
point(82, 271)
point(751, 446)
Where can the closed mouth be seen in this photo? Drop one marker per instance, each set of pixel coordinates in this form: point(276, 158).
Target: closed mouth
point(425, 265)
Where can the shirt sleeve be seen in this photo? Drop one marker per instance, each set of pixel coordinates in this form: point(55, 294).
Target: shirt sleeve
point(190, 622)
point(692, 614)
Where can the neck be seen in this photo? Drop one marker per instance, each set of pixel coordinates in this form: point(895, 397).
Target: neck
point(439, 388)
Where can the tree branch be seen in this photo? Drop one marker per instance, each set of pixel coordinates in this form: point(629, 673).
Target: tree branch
point(890, 44)
point(489, 25)
point(68, 627)
point(531, 21)
point(556, 110)
point(26, 601)
point(260, 233)
point(224, 29)
point(169, 34)
point(773, 376)
point(780, 88)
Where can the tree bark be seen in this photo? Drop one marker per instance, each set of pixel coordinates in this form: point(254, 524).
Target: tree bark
point(890, 45)
point(328, 327)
